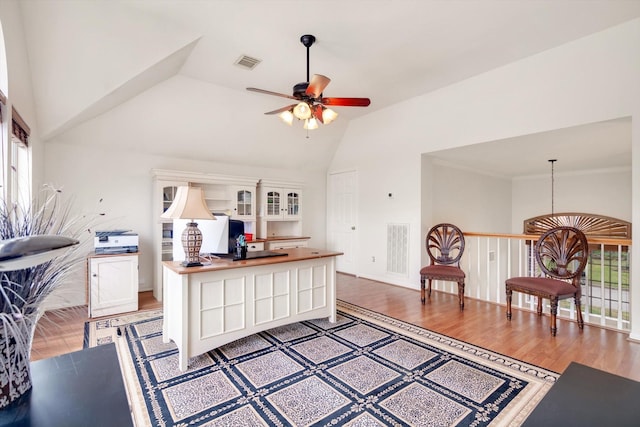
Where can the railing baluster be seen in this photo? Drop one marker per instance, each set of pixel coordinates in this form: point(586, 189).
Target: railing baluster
point(603, 305)
point(478, 271)
point(497, 259)
point(620, 299)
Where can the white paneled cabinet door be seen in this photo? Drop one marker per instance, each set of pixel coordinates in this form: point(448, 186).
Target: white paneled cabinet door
point(342, 189)
point(113, 285)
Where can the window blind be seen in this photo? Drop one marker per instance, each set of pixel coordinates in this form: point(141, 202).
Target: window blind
point(19, 128)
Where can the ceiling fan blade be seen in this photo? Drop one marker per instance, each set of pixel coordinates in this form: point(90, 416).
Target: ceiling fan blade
point(280, 110)
point(268, 92)
point(317, 84)
point(317, 113)
point(347, 102)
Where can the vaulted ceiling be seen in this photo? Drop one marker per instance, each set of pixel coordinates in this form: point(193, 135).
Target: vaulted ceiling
point(161, 75)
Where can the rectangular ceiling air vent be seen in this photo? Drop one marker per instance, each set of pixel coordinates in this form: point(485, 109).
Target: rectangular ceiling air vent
point(247, 62)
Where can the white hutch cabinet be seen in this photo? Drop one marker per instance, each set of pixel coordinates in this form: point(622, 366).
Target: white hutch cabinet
point(230, 195)
point(280, 214)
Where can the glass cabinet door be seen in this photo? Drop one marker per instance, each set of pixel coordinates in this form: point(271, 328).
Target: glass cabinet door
point(273, 203)
point(168, 194)
point(244, 203)
point(293, 204)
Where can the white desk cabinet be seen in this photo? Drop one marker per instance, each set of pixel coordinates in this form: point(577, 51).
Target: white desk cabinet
point(207, 307)
point(113, 284)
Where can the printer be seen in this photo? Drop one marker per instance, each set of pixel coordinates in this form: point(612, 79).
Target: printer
point(115, 242)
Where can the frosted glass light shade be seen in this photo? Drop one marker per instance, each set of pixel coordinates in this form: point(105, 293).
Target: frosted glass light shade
point(328, 115)
point(302, 111)
point(311, 124)
point(287, 117)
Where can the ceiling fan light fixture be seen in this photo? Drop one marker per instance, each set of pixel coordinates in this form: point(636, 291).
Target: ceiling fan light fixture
point(302, 111)
point(310, 124)
point(328, 115)
point(287, 117)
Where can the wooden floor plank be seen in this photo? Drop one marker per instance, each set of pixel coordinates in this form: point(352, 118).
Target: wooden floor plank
point(525, 337)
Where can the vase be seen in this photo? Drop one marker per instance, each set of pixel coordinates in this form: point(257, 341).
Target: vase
point(15, 372)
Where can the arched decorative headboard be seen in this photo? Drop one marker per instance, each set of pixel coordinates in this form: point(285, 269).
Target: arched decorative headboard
point(591, 225)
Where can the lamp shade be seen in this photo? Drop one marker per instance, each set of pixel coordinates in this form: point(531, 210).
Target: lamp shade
point(302, 111)
point(188, 204)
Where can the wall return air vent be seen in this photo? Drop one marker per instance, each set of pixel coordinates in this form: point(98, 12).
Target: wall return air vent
point(247, 62)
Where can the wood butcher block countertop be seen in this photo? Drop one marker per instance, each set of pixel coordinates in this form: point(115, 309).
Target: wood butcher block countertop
point(294, 254)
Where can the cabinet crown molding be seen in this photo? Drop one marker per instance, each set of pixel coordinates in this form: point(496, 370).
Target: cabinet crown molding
point(202, 177)
point(277, 183)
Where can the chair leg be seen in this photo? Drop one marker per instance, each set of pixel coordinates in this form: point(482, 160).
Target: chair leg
point(554, 313)
point(539, 306)
point(509, 297)
point(579, 312)
point(422, 289)
point(429, 288)
point(461, 295)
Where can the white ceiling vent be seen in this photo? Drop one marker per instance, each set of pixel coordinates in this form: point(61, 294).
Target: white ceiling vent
point(247, 62)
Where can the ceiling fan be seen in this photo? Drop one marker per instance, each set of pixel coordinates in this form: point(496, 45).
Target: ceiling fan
point(310, 105)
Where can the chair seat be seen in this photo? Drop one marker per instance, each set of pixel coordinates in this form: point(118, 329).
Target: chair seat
point(544, 285)
point(443, 271)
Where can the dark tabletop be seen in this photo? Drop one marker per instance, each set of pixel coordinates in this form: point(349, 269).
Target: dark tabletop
point(585, 397)
point(83, 388)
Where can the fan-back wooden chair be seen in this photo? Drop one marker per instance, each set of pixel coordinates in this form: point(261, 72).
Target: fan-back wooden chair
point(445, 246)
point(562, 254)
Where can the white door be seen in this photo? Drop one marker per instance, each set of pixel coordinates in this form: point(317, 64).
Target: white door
point(342, 214)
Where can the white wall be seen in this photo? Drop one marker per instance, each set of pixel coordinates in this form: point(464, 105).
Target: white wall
point(602, 192)
point(472, 201)
point(588, 80)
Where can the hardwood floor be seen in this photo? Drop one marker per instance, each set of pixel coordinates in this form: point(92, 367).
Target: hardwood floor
point(62, 331)
point(525, 337)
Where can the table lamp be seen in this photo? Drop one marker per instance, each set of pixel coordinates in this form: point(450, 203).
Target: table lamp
point(189, 204)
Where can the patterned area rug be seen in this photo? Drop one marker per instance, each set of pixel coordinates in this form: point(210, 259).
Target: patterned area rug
point(365, 370)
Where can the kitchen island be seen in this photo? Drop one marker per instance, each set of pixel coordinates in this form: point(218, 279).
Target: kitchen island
point(209, 306)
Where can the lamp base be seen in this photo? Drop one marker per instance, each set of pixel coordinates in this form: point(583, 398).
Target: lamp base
point(191, 242)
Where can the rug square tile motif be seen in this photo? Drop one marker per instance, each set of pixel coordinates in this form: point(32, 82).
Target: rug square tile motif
point(320, 349)
point(147, 328)
point(363, 374)
point(291, 332)
point(361, 335)
point(166, 368)
point(465, 380)
point(193, 396)
point(405, 354)
point(244, 346)
point(246, 416)
point(263, 370)
point(307, 401)
point(326, 325)
point(154, 345)
point(419, 406)
point(365, 420)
